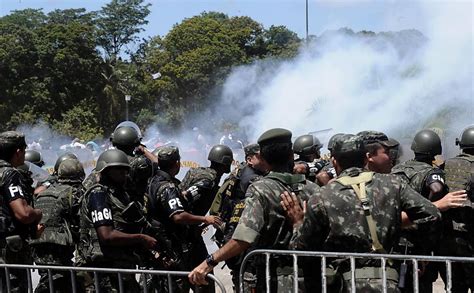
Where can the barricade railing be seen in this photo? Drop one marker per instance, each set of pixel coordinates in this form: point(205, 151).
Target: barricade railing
point(384, 258)
point(119, 272)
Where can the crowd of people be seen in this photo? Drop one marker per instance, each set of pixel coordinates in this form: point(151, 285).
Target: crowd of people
point(131, 211)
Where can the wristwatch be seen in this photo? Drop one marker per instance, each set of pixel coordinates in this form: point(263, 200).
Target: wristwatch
point(210, 260)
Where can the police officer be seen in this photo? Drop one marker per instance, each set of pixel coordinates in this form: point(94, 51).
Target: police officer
point(429, 181)
point(263, 223)
point(53, 178)
point(60, 206)
point(104, 231)
point(18, 218)
point(309, 162)
point(200, 186)
point(34, 157)
point(168, 207)
point(328, 172)
point(229, 204)
point(354, 214)
point(128, 139)
point(460, 176)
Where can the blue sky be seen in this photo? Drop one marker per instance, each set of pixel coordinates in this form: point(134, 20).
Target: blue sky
point(375, 15)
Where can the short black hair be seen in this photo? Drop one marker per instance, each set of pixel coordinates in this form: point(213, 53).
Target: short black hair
point(372, 148)
point(276, 154)
point(7, 150)
point(350, 159)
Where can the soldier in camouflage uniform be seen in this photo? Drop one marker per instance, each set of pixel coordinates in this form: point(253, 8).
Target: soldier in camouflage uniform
point(104, 233)
point(377, 146)
point(359, 212)
point(428, 180)
point(53, 178)
point(18, 219)
point(460, 176)
point(60, 206)
point(229, 204)
point(263, 224)
point(168, 207)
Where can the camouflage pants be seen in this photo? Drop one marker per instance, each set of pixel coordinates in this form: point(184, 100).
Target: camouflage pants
point(53, 254)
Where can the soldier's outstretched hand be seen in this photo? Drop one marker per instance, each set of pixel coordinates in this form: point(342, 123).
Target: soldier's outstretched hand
point(214, 221)
point(452, 200)
point(294, 211)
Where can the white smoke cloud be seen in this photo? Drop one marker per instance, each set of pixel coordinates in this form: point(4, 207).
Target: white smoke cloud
point(351, 84)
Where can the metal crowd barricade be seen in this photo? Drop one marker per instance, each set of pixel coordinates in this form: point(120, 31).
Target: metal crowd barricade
point(415, 259)
point(96, 271)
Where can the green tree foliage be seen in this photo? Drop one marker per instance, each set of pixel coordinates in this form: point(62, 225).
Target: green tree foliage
point(72, 68)
point(118, 24)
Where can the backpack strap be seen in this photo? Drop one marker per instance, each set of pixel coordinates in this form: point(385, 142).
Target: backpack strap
point(358, 184)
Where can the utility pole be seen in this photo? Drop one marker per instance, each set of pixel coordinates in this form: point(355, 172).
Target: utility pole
point(306, 20)
point(127, 99)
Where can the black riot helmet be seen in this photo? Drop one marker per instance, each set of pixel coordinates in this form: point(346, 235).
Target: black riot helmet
point(132, 125)
point(125, 138)
point(112, 158)
point(427, 142)
point(467, 138)
point(34, 157)
point(62, 158)
point(306, 145)
point(71, 169)
point(221, 154)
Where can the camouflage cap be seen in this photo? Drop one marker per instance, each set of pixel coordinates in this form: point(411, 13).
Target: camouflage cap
point(371, 136)
point(348, 143)
point(13, 138)
point(275, 135)
point(168, 153)
point(251, 149)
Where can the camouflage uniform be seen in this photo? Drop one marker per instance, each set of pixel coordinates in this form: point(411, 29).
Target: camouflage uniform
point(60, 206)
point(360, 212)
point(229, 205)
point(460, 176)
point(329, 223)
point(264, 226)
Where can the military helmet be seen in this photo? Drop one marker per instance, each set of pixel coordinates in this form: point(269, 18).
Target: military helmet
point(467, 138)
point(112, 158)
point(125, 136)
point(34, 157)
point(306, 145)
point(132, 125)
point(62, 158)
point(427, 142)
point(71, 169)
point(333, 139)
point(221, 154)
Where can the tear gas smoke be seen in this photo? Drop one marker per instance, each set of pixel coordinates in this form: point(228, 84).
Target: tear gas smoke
point(394, 82)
